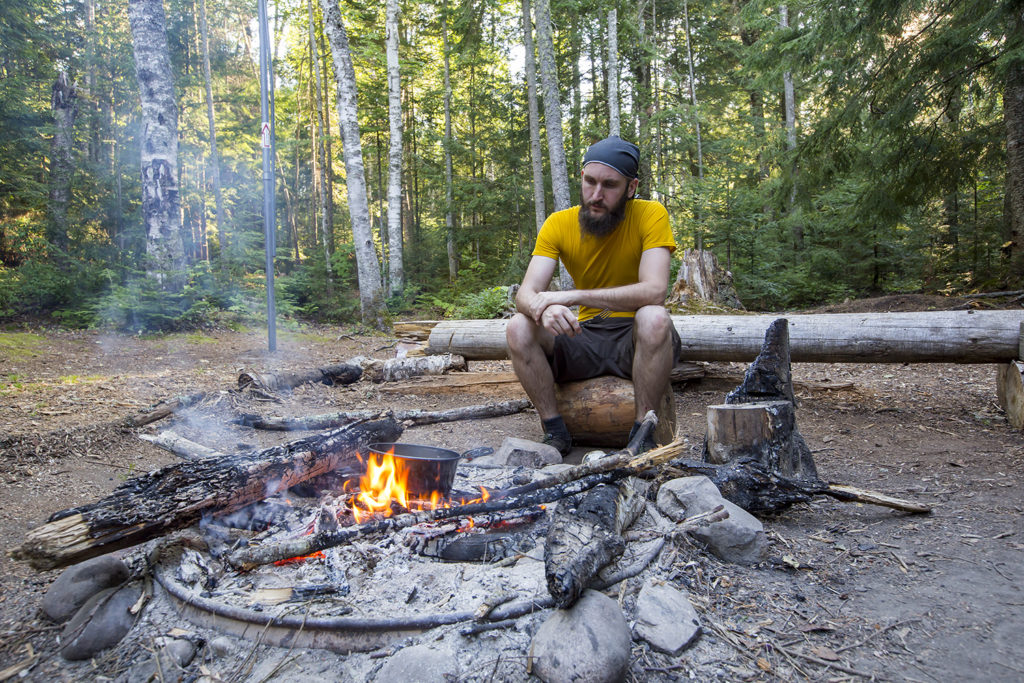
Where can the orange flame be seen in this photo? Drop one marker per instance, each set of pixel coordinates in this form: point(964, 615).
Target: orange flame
point(386, 482)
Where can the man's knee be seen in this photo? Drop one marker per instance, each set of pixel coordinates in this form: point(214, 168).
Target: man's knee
point(653, 325)
point(520, 332)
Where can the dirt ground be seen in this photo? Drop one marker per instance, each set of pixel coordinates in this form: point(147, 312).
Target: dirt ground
point(849, 592)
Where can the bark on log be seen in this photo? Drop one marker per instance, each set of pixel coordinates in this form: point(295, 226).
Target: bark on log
point(397, 369)
point(180, 446)
point(166, 408)
point(582, 539)
point(1011, 392)
point(178, 495)
point(600, 411)
point(933, 336)
point(342, 373)
point(416, 417)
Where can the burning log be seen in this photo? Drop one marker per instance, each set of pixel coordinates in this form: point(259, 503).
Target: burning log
point(178, 495)
point(332, 375)
point(416, 417)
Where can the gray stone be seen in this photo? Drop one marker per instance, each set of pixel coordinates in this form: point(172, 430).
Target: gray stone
point(180, 651)
point(587, 643)
point(420, 663)
point(221, 646)
point(80, 582)
point(687, 496)
point(740, 538)
point(100, 623)
point(515, 451)
point(665, 618)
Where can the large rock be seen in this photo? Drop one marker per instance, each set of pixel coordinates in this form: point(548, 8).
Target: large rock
point(740, 538)
point(420, 663)
point(78, 583)
point(587, 643)
point(100, 623)
point(665, 618)
point(515, 452)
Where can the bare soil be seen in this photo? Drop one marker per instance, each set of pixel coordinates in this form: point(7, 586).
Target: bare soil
point(849, 592)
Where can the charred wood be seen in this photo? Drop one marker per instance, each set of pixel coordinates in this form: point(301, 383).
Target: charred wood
point(178, 495)
point(332, 375)
point(416, 417)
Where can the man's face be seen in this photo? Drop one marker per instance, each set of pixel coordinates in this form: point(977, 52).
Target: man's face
point(604, 195)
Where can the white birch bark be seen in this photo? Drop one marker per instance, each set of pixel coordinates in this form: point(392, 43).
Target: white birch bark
point(371, 299)
point(613, 72)
point(396, 273)
point(789, 96)
point(553, 119)
point(537, 163)
point(161, 205)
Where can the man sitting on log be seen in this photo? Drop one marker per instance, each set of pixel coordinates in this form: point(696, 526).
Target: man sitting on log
point(617, 249)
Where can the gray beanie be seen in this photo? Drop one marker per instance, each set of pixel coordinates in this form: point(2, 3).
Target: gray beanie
point(615, 153)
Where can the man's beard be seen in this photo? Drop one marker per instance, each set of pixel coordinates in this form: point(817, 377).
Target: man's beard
point(605, 224)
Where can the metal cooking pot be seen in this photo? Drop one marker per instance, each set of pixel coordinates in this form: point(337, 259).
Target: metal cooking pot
point(430, 468)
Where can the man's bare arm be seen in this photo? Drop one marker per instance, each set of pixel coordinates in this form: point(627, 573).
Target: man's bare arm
point(649, 291)
point(535, 302)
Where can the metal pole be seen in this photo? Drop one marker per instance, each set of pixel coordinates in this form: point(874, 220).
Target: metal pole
point(267, 141)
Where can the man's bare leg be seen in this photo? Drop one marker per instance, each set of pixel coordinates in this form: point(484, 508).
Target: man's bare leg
point(528, 345)
point(652, 357)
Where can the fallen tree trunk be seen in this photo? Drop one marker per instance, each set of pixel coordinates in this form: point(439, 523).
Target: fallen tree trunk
point(933, 336)
point(178, 495)
point(396, 369)
point(416, 417)
point(342, 373)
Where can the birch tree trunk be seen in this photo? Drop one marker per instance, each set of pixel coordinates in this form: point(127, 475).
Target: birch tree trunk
point(396, 270)
point(218, 197)
point(696, 121)
point(449, 198)
point(326, 217)
point(613, 72)
point(537, 163)
point(553, 118)
point(64, 104)
point(161, 205)
point(371, 299)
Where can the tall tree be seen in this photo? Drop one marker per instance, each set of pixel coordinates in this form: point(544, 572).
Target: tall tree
point(64, 104)
point(326, 212)
point(613, 72)
point(536, 161)
point(1013, 119)
point(371, 298)
point(161, 205)
point(449, 192)
point(218, 197)
point(396, 271)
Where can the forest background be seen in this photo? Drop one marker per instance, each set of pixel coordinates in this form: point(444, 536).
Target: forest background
point(821, 150)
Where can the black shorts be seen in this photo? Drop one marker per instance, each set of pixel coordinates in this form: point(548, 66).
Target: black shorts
point(603, 347)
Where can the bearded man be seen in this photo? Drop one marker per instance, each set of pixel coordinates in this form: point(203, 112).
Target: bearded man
point(617, 249)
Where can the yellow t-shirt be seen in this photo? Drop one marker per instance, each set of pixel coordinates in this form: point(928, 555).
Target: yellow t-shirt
point(610, 261)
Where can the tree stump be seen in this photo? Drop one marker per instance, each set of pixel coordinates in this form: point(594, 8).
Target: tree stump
point(600, 411)
point(758, 419)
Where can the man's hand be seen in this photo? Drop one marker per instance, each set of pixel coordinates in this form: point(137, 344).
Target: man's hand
point(558, 319)
point(540, 302)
